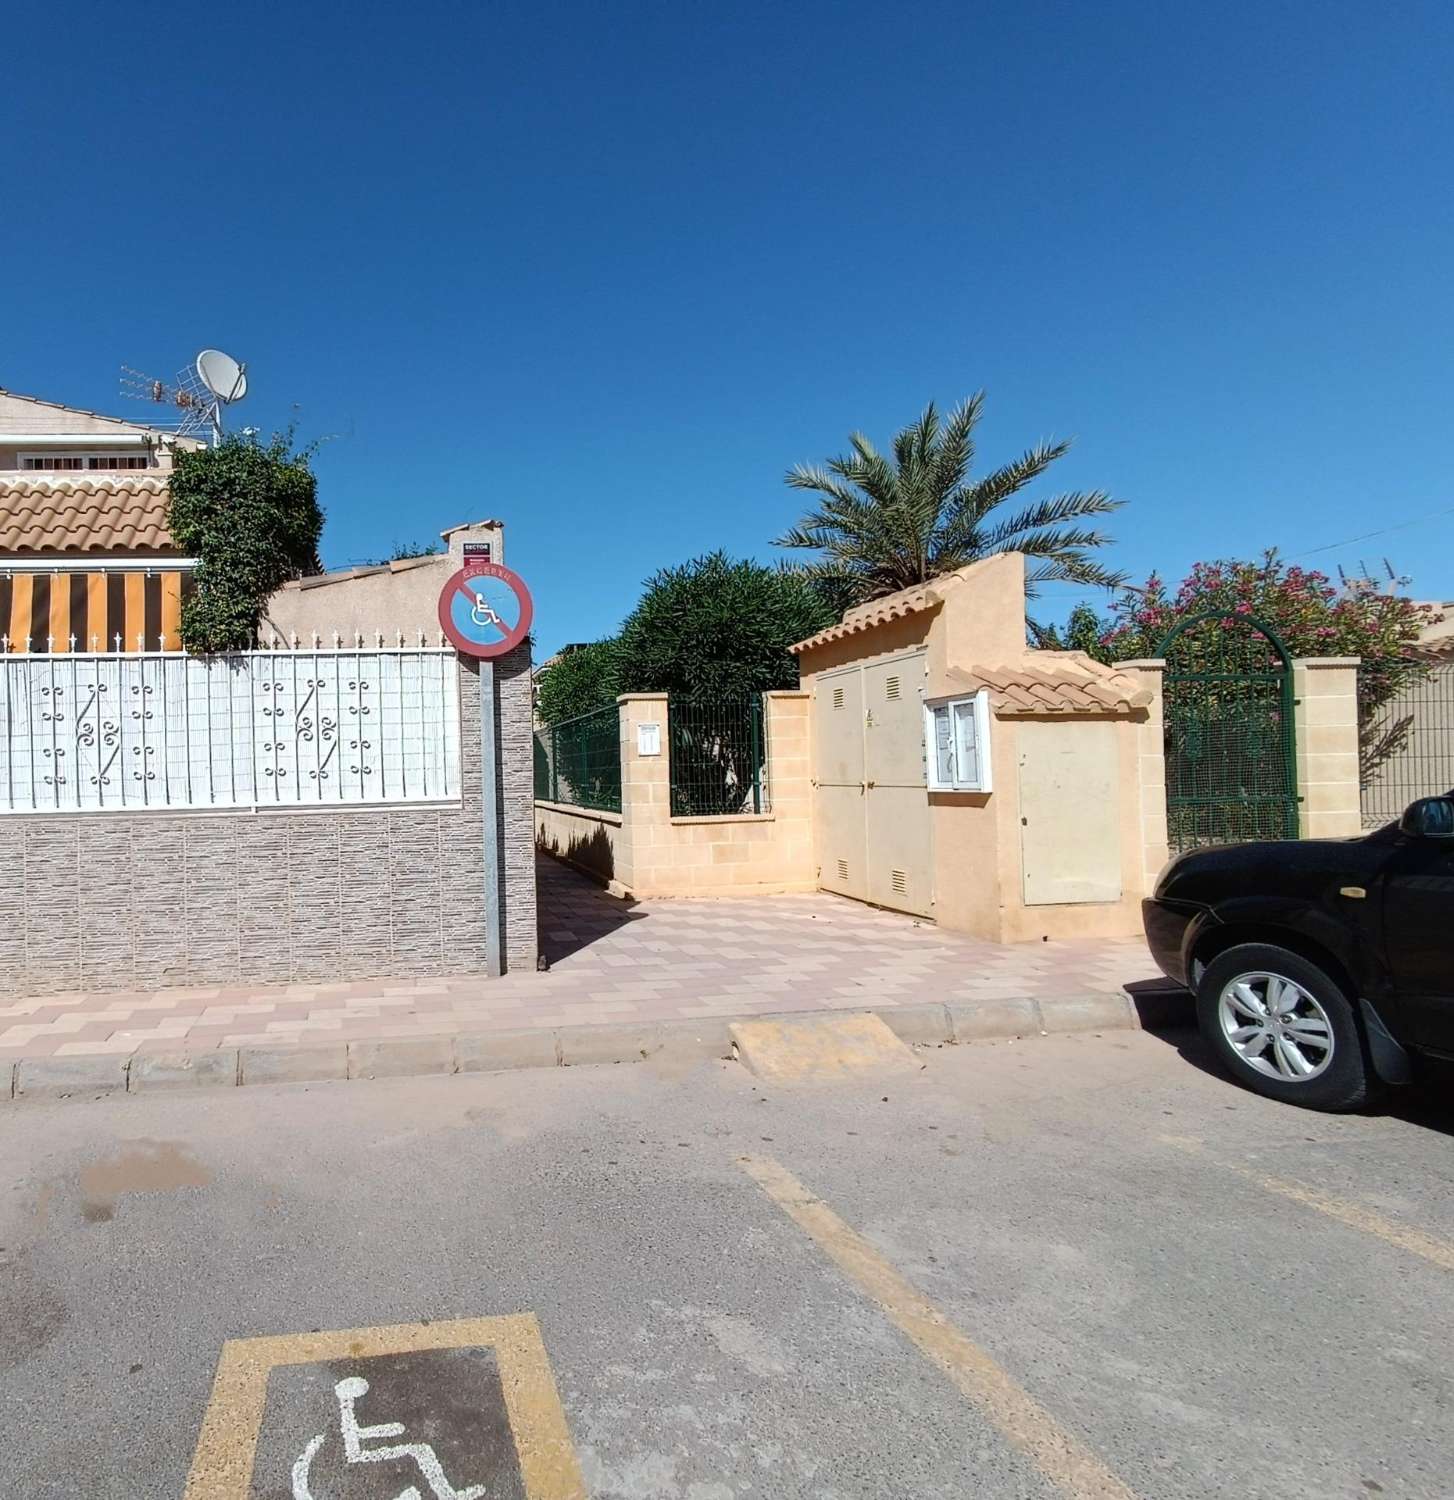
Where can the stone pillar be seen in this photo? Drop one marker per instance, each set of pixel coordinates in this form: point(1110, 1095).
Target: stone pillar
point(492, 532)
point(1151, 768)
point(1326, 722)
point(786, 716)
point(645, 786)
point(515, 732)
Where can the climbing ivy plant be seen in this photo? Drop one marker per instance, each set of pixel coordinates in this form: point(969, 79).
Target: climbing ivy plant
point(248, 512)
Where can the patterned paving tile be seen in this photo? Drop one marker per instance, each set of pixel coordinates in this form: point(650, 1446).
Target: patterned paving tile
point(609, 960)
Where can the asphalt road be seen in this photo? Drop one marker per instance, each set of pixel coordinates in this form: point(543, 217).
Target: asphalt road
point(1075, 1265)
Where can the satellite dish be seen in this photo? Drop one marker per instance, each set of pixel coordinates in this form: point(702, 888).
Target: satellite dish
point(222, 375)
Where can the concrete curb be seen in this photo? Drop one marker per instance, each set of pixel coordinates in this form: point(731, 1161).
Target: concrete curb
point(676, 1042)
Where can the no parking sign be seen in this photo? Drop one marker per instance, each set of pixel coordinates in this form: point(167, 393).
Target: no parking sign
point(485, 609)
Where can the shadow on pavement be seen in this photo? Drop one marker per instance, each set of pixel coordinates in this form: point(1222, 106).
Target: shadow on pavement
point(1167, 1012)
point(573, 912)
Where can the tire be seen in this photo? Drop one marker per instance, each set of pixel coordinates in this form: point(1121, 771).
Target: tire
point(1283, 1027)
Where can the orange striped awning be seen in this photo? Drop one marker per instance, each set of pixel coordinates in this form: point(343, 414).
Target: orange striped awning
point(97, 611)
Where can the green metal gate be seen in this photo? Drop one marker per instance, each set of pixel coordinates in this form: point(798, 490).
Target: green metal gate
point(1231, 763)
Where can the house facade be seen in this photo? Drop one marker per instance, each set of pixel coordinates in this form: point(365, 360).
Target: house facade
point(86, 560)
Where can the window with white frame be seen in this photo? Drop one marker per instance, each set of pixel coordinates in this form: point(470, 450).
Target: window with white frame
point(70, 463)
point(957, 733)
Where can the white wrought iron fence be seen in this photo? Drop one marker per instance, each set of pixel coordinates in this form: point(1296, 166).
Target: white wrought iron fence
point(85, 732)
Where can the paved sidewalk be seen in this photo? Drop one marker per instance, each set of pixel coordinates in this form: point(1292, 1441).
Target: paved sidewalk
point(611, 961)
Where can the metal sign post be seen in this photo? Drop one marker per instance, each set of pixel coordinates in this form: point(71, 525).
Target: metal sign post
point(486, 610)
point(490, 804)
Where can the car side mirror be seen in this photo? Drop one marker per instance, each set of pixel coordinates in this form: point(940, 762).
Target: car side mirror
point(1429, 818)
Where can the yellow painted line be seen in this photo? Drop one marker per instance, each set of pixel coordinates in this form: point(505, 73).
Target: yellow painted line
point(1060, 1456)
point(1419, 1242)
point(227, 1443)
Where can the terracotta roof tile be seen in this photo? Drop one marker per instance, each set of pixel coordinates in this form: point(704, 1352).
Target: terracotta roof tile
point(875, 612)
point(1053, 682)
point(41, 515)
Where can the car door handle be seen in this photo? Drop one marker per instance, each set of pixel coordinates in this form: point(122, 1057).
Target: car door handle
point(1353, 892)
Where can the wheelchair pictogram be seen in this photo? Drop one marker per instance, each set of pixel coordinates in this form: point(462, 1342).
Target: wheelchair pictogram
point(354, 1434)
point(483, 613)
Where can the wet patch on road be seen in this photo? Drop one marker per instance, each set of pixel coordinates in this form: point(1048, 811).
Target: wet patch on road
point(139, 1167)
point(31, 1311)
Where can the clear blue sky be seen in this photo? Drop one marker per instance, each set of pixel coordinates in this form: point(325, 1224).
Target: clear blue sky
point(607, 271)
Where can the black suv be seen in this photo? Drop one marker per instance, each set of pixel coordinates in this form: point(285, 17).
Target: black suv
point(1319, 967)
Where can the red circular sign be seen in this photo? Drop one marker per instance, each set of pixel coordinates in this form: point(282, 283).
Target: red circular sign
point(485, 609)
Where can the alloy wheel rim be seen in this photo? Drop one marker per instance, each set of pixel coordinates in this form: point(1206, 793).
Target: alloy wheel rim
point(1275, 1026)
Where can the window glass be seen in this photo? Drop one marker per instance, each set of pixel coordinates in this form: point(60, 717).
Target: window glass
point(966, 744)
point(116, 461)
point(943, 748)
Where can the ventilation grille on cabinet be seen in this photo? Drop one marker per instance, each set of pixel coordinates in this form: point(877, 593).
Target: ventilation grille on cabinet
point(837, 697)
point(900, 882)
point(892, 689)
point(843, 870)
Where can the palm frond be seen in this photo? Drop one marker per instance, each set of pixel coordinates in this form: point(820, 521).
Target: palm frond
point(956, 451)
point(1074, 569)
point(1053, 511)
point(994, 489)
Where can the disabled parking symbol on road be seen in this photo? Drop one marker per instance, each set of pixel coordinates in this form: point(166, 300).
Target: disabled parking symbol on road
point(440, 1411)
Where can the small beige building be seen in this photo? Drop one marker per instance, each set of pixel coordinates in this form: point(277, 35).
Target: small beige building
point(960, 775)
point(387, 598)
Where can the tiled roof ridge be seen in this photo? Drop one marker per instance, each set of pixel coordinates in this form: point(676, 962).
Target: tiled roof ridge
point(1069, 682)
point(89, 484)
point(367, 570)
point(909, 601)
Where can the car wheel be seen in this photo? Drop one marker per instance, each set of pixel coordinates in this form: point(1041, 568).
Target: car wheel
point(1284, 1028)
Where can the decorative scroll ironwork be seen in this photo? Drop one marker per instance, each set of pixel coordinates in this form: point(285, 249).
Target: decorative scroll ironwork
point(255, 729)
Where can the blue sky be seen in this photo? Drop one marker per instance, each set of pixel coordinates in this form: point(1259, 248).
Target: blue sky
point(607, 271)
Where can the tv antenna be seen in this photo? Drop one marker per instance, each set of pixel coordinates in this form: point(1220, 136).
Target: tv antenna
point(198, 394)
point(1364, 584)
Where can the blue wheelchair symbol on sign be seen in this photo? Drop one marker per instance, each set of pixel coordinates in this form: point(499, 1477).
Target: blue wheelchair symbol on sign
point(485, 609)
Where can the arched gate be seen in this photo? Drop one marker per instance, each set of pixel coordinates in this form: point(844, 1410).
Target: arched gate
point(1231, 761)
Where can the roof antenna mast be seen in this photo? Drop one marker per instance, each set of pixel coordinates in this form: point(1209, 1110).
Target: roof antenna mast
point(198, 394)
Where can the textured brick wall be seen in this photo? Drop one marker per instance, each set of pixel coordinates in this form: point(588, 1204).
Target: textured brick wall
point(515, 713)
point(97, 902)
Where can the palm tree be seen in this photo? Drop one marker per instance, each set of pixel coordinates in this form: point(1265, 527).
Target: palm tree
point(883, 526)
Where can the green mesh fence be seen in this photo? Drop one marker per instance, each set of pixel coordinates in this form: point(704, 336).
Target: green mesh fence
point(578, 761)
point(718, 758)
point(1406, 733)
